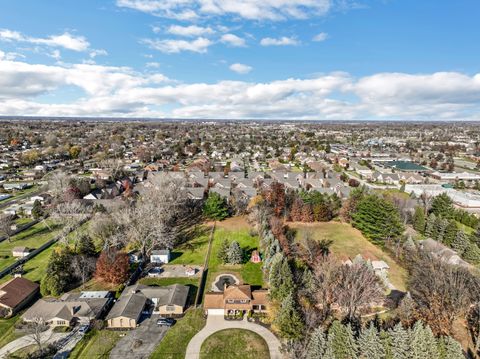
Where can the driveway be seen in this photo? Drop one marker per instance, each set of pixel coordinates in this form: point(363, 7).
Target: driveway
point(216, 323)
point(66, 345)
point(47, 337)
point(141, 342)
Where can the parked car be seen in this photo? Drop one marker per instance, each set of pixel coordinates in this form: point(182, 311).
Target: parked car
point(84, 328)
point(165, 322)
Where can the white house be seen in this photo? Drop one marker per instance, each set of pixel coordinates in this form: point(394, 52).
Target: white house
point(160, 256)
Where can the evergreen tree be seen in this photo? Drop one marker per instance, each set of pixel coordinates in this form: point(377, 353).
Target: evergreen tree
point(280, 278)
point(222, 254)
point(429, 227)
point(418, 220)
point(460, 243)
point(215, 207)
point(370, 345)
point(59, 273)
point(400, 342)
point(289, 320)
point(450, 233)
point(37, 210)
point(423, 343)
point(235, 253)
point(86, 246)
point(449, 348)
point(442, 206)
point(317, 344)
point(442, 226)
point(472, 253)
point(342, 341)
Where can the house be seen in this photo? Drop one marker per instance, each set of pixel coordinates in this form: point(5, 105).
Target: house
point(166, 301)
point(236, 298)
point(70, 309)
point(20, 252)
point(15, 295)
point(135, 257)
point(160, 256)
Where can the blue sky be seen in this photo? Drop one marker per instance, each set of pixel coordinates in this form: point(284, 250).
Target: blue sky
point(298, 59)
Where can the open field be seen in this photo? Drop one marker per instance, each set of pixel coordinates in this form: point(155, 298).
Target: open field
point(96, 344)
point(174, 344)
point(348, 242)
point(234, 344)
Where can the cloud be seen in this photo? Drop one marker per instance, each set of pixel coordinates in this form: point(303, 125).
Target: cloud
point(240, 68)
point(233, 40)
point(282, 41)
point(122, 92)
point(190, 31)
point(320, 37)
point(273, 10)
point(65, 40)
point(95, 53)
point(170, 46)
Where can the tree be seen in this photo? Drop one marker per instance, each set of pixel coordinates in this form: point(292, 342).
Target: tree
point(419, 220)
point(83, 267)
point(36, 329)
point(112, 266)
point(423, 342)
point(442, 205)
point(59, 274)
point(6, 222)
point(378, 219)
point(460, 243)
point(280, 278)
point(370, 344)
point(289, 320)
point(342, 341)
point(430, 226)
point(215, 207)
point(235, 253)
point(86, 246)
point(37, 210)
point(317, 344)
point(222, 254)
point(74, 151)
point(449, 348)
point(400, 342)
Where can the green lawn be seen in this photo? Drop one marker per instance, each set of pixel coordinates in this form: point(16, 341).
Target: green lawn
point(174, 344)
point(194, 251)
point(7, 330)
point(96, 344)
point(234, 344)
point(33, 238)
point(348, 242)
point(468, 230)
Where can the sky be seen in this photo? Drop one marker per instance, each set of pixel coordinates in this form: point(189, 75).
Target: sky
point(241, 59)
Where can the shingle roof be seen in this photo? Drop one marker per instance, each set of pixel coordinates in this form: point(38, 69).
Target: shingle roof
point(15, 291)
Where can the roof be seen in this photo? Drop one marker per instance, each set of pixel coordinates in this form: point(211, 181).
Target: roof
point(160, 252)
point(213, 300)
point(15, 291)
point(238, 292)
point(260, 297)
point(129, 305)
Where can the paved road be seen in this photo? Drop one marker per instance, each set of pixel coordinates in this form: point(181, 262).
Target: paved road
point(68, 343)
point(47, 337)
point(216, 323)
point(141, 342)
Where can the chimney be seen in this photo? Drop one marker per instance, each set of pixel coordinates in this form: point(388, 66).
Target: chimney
point(17, 275)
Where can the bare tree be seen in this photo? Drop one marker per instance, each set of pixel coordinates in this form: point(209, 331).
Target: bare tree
point(69, 214)
point(83, 267)
point(6, 222)
point(58, 183)
point(36, 329)
point(325, 283)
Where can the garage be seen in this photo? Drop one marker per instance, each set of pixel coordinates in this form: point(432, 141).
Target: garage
point(215, 312)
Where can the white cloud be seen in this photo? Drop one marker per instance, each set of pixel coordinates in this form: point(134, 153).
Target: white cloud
point(170, 46)
point(95, 53)
point(233, 40)
point(282, 41)
point(155, 65)
point(240, 68)
point(65, 40)
point(320, 37)
point(273, 10)
point(121, 91)
point(190, 31)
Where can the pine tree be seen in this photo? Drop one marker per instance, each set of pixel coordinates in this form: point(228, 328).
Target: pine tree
point(449, 348)
point(400, 342)
point(317, 344)
point(59, 273)
point(370, 345)
point(342, 341)
point(429, 227)
point(419, 220)
point(86, 246)
point(235, 253)
point(37, 210)
point(460, 243)
point(215, 207)
point(442, 206)
point(450, 233)
point(289, 320)
point(423, 343)
point(222, 254)
point(442, 226)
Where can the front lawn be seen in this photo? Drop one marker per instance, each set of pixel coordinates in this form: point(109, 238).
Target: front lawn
point(96, 344)
point(7, 330)
point(174, 344)
point(234, 344)
point(348, 242)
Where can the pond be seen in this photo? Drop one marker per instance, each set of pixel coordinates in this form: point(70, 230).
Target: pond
point(225, 279)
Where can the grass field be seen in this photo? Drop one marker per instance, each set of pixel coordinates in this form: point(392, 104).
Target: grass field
point(174, 344)
point(96, 344)
point(7, 330)
point(33, 238)
point(348, 242)
point(234, 344)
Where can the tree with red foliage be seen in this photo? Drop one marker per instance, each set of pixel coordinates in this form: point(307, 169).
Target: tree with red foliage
point(72, 193)
point(275, 196)
point(296, 211)
point(279, 232)
point(352, 182)
point(307, 213)
point(112, 266)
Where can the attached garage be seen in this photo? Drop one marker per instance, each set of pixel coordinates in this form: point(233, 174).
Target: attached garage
point(215, 312)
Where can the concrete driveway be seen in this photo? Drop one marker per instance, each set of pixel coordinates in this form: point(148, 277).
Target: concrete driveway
point(216, 323)
point(47, 337)
point(141, 342)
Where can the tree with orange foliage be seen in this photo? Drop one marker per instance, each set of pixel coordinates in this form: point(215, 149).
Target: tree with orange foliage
point(112, 266)
point(275, 196)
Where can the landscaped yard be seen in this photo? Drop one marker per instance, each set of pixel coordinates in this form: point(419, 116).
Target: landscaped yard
point(174, 344)
point(234, 344)
point(96, 344)
point(348, 242)
point(33, 237)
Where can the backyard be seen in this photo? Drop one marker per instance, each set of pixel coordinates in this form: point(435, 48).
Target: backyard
point(349, 242)
point(234, 344)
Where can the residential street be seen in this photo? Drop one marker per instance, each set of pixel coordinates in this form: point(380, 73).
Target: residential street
point(141, 342)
